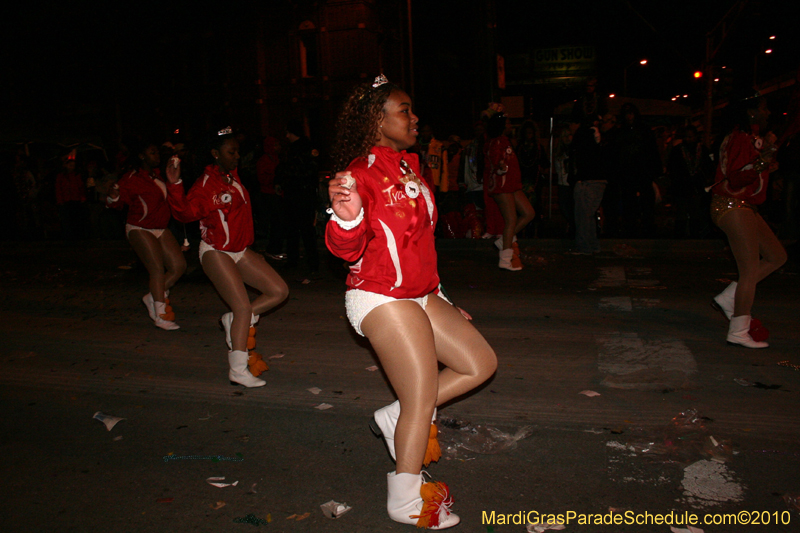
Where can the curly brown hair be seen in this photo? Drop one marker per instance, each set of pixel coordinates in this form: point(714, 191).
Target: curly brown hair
point(357, 126)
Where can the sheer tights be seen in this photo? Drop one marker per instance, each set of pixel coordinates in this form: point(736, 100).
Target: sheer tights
point(410, 342)
point(517, 213)
point(757, 251)
point(162, 257)
point(229, 278)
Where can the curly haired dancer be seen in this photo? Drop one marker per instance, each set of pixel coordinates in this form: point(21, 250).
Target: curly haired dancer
point(383, 219)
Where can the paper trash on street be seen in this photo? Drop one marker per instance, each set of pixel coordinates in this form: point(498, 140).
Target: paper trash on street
point(218, 482)
point(108, 420)
point(334, 509)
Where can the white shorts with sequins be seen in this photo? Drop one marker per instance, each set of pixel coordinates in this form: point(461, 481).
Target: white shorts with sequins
point(359, 303)
point(156, 232)
point(205, 247)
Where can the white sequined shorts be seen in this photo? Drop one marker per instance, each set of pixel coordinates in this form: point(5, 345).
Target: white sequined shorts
point(156, 232)
point(359, 303)
point(205, 247)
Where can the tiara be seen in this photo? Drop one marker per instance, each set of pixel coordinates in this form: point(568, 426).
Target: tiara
point(225, 131)
point(379, 80)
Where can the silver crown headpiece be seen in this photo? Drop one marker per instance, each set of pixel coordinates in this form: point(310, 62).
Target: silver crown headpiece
point(379, 80)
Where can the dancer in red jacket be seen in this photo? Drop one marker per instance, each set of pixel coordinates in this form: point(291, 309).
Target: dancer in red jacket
point(383, 219)
point(145, 194)
point(222, 205)
point(740, 186)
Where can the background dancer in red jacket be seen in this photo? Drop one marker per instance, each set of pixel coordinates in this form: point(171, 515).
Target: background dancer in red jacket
point(503, 181)
point(740, 186)
point(383, 220)
point(145, 194)
point(222, 205)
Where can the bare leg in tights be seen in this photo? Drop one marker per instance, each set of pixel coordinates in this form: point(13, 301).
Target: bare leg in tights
point(229, 279)
point(517, 213)
point(757, 251)
point(159, 254)
point(410, 342)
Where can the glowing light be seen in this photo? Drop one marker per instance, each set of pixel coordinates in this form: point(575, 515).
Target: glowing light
point(686, 96)
point(698, 73)
point(674, 98)
point(716, 79)
point(612, 95)
point(643, 62)
point(769, 51)
point(771, 37)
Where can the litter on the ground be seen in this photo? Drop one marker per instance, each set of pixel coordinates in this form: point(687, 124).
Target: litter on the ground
point(252, 519)
point(218, 505)
point(459, 439)
point(792, 500)
point(334, 509)
point(298, 517)
point(276, 356)
point(372, 368)
point(540, 528)
point(589, 393)
point(314, 390)
point(219, 482)
point(108, 420)
point(323, 406)
point(684, 440)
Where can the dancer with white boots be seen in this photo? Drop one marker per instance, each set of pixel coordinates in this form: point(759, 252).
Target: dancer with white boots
point(145, 194)
point(222, 204)
point(503, 182)
point(383, 219)
point(740, 186)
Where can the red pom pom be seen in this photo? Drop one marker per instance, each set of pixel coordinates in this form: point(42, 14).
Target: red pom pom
point(757, 331)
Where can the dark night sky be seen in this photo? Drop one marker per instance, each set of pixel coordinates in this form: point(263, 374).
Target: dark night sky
point(58, 56)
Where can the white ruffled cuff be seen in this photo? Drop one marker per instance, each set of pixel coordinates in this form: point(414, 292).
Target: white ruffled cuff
point(347, 224)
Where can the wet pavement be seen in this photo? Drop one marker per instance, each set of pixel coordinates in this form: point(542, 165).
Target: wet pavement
point(632, 323)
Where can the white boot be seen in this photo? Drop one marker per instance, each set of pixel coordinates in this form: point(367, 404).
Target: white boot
point(227, 319)
point(509, 260)
point(723, 301)
point(739, 333)
point(148, 301)
point(405, 504)
point(514, 246)
point(239, 372)
point(384, 422)
point(160, 308)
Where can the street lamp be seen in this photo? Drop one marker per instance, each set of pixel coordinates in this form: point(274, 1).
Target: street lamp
point(625, 74)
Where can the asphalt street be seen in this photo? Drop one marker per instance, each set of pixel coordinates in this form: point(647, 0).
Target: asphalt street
point(681, 422)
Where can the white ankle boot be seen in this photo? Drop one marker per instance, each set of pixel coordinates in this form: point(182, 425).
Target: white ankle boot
point(384, 422)
point(723, 301)
point(514, 246)
point(160, 308)
point(149, 304)
point(227, 319)
point(739, 333)
point(509, 260)
point(406, 505)
point(239, 372)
